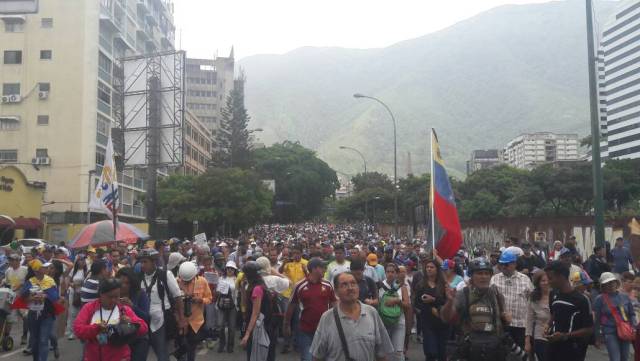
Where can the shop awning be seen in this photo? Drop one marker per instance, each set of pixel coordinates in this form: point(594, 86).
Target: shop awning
point(22, 223)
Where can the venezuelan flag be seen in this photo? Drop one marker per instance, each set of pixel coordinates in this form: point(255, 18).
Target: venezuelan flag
point(447, 235)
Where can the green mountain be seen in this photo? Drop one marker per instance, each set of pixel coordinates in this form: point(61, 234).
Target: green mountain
point(479, 83)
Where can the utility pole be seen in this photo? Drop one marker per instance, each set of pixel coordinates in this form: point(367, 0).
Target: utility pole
point(598, 201)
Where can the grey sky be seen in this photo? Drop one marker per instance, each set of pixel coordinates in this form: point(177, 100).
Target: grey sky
point(278, 26)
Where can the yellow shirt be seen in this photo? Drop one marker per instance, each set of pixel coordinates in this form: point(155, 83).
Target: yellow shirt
point(198, 288)
point(295, 271)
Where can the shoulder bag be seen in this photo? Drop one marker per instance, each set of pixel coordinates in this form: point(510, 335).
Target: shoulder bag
point(625, 331)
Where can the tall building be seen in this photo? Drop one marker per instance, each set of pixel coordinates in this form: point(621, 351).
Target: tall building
point(619, 82)
point(58, 96)
point(527, 151)
point(197, 145)
point(208, 83)
point(482, 159)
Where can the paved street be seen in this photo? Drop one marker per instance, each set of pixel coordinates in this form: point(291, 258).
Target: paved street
point(70, 351)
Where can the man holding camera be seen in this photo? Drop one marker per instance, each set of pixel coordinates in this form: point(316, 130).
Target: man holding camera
point(166, 307)
point(197, 294)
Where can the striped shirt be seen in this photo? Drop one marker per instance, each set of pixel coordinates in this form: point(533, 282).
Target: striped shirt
point(89, 290)
point(516, 290)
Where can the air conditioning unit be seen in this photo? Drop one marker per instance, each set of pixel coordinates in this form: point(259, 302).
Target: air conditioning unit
point(41, 161)
point(43, 95)
point(13, 98)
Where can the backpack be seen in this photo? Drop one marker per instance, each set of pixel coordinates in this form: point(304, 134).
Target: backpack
point(390, 315)
point(277, 304)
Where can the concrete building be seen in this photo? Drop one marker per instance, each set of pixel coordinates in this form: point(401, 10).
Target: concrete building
point(57, 108)
point(482, 159)
point(208, 83)
point(197, 145)
point(619, 82)
point(527, 151)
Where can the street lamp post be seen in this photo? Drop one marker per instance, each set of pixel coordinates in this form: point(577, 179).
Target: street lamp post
point(364, 162)
point(395, 161)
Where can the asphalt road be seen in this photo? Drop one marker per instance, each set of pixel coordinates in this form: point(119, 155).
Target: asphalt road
point(71, 351)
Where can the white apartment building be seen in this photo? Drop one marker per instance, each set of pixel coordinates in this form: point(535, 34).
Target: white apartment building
point(527, 151)
point(58, 96)
point(619, 70)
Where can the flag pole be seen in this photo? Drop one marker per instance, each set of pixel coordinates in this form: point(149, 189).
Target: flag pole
point(115, 215)
point(431, 200)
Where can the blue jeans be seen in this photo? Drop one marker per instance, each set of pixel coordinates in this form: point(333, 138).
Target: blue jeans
point(40, 329)
point(158, 342)
point(434, 343)
point(540, 349)
point(304, 345)
point(618, 350)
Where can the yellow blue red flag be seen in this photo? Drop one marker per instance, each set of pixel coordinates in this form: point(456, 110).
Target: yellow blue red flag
point(445, 227)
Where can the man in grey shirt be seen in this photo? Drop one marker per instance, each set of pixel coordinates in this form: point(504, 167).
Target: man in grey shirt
point(365, 334)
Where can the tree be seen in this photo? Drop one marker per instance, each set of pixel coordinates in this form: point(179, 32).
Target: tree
point(303, 181)
point(221, 200)
point(363, 181)
point(233, 148)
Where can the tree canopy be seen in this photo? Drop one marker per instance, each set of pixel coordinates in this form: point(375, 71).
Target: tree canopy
point(303, 181)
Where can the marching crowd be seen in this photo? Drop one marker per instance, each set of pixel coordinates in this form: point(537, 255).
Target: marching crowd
point(327, 293)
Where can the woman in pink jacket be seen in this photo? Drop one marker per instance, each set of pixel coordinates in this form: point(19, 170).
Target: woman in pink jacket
point(97, 321)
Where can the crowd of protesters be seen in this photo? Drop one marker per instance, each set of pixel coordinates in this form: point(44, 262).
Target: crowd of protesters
point(327, 293)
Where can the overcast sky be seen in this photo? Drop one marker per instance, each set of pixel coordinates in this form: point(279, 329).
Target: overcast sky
point(279, 26)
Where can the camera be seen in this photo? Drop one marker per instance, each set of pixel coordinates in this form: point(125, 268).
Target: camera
point(188, 302)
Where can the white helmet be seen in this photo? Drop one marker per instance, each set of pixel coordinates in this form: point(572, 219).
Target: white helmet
point(187, 271)
point(231, 264)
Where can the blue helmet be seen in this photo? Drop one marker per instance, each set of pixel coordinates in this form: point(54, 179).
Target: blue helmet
point(508, 257)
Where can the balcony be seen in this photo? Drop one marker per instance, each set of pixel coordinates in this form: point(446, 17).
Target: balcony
point(125, 37)
point(107, 17)
point(142, 6)
point(106, 44)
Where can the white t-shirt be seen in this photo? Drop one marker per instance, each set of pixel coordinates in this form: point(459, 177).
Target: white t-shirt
point(228, 284)
point(16, 277)
point(155, 306)
point(336, 268)
point(107, 316)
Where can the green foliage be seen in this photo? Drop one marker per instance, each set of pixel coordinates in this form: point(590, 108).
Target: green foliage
point(303, 181)
point(223, 200)
point(232, 139)
point(363, 181)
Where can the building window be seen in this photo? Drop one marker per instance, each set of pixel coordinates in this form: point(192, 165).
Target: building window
point(43, 120)
point(100, 156)
point(104, 93)
point(46, 54)
point(13, 56)
point(13, 26)
point(46, 23)
point(44, 87)
point(11, 89)
point(8, 155)
point(42, 153)
point(9, 123)
point(104, 67)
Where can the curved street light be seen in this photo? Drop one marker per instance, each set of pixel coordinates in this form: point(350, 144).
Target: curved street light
point(364, 161)
point(395, 160)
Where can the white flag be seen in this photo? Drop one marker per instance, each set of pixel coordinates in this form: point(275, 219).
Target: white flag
point(106, 197)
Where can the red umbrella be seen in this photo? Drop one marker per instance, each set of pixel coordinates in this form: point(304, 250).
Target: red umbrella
point(101, 233)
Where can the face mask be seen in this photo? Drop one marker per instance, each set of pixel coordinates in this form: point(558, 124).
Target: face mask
point(189, 252)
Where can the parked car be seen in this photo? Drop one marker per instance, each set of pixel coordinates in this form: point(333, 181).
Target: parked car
point(26, 244)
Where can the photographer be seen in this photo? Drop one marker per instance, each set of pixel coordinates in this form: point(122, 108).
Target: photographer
point(196, 294)
point(107, 326)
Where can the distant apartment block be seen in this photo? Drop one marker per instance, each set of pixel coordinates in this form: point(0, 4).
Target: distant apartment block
point(482, 159)
point(197, 145)
point(208, 83)
point(619, 83)
point(527, 151)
